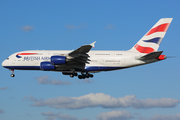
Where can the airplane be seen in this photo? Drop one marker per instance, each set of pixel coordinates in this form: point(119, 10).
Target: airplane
point(84, 61)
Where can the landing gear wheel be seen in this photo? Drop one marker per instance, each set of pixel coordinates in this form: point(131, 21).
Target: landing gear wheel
point(87, 75)
point(12, 75)
point(79, 76)
point(91, 75)
point(71, 75)
point(83, 76)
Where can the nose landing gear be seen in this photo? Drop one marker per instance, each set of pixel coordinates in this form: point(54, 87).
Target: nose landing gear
point(12, 75)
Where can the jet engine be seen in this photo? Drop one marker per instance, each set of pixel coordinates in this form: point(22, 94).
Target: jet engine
point(58, 60)
point(47, 66)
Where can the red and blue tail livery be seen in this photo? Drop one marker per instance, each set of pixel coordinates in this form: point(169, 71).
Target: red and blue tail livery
point(152, 39)
point(83, 62)
point(159, 28)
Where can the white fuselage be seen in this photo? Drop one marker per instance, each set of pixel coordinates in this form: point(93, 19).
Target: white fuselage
point(99, 60)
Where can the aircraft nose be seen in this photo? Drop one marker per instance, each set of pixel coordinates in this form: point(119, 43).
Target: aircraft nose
point(4, 63)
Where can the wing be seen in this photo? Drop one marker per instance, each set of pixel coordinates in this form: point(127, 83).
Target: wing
point(82, 51)
point(79, 57)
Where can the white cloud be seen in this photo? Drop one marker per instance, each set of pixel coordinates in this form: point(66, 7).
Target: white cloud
point(46, 80)
point(139, 117)
point(115, 115)
point(4, 88)
point(105, 101)
point(12, 97)
point(165, 117)
point(109, 26)
point(1, 111)
point(87, 80)
point(85, 119)
point(126, 115)
point(55, 116)
point(30, 98)
point(71, 27)
point(29, 115)
point(27, 28)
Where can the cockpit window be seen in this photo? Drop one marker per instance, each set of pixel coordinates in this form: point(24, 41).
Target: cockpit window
point(7, 59)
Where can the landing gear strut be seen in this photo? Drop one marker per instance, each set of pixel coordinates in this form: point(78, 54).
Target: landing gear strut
point(12, 75)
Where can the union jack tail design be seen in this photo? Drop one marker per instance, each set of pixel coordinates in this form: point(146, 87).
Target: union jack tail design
point(151, 40)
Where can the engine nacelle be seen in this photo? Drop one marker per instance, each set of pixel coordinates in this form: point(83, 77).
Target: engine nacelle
point(58, 60)
point(47, 66)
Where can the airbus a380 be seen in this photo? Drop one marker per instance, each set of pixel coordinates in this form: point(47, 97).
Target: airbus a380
point(86, 62)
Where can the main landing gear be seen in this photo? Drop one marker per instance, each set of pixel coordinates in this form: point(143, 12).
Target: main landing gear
point(82, 76)
point(12, 75)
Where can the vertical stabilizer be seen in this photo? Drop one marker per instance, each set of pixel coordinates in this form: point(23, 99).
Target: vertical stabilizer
point(151, 40)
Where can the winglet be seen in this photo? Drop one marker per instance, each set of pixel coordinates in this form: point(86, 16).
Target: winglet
point(92, 44)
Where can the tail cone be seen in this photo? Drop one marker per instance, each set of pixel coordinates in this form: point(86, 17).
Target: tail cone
point(162, 57)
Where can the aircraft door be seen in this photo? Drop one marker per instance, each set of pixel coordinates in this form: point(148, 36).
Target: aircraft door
point(101, 61)
point(123, 61)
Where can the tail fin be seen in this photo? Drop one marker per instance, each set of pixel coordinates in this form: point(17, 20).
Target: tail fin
point(151, 40)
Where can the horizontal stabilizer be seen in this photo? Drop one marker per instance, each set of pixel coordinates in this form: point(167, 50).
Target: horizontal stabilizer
point(152, 55)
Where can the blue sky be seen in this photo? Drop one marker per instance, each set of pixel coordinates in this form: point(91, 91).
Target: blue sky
point(149, 92)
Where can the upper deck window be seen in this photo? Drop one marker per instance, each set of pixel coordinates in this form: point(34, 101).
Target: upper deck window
point(101, 54)
point(61, 54)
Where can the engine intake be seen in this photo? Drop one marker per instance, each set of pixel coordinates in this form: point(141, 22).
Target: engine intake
point(47, 66)
point(58, 60)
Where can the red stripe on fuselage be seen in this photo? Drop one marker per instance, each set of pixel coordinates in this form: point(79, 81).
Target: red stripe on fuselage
point(142, 49)
point(27, 53)
point(160, 28)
